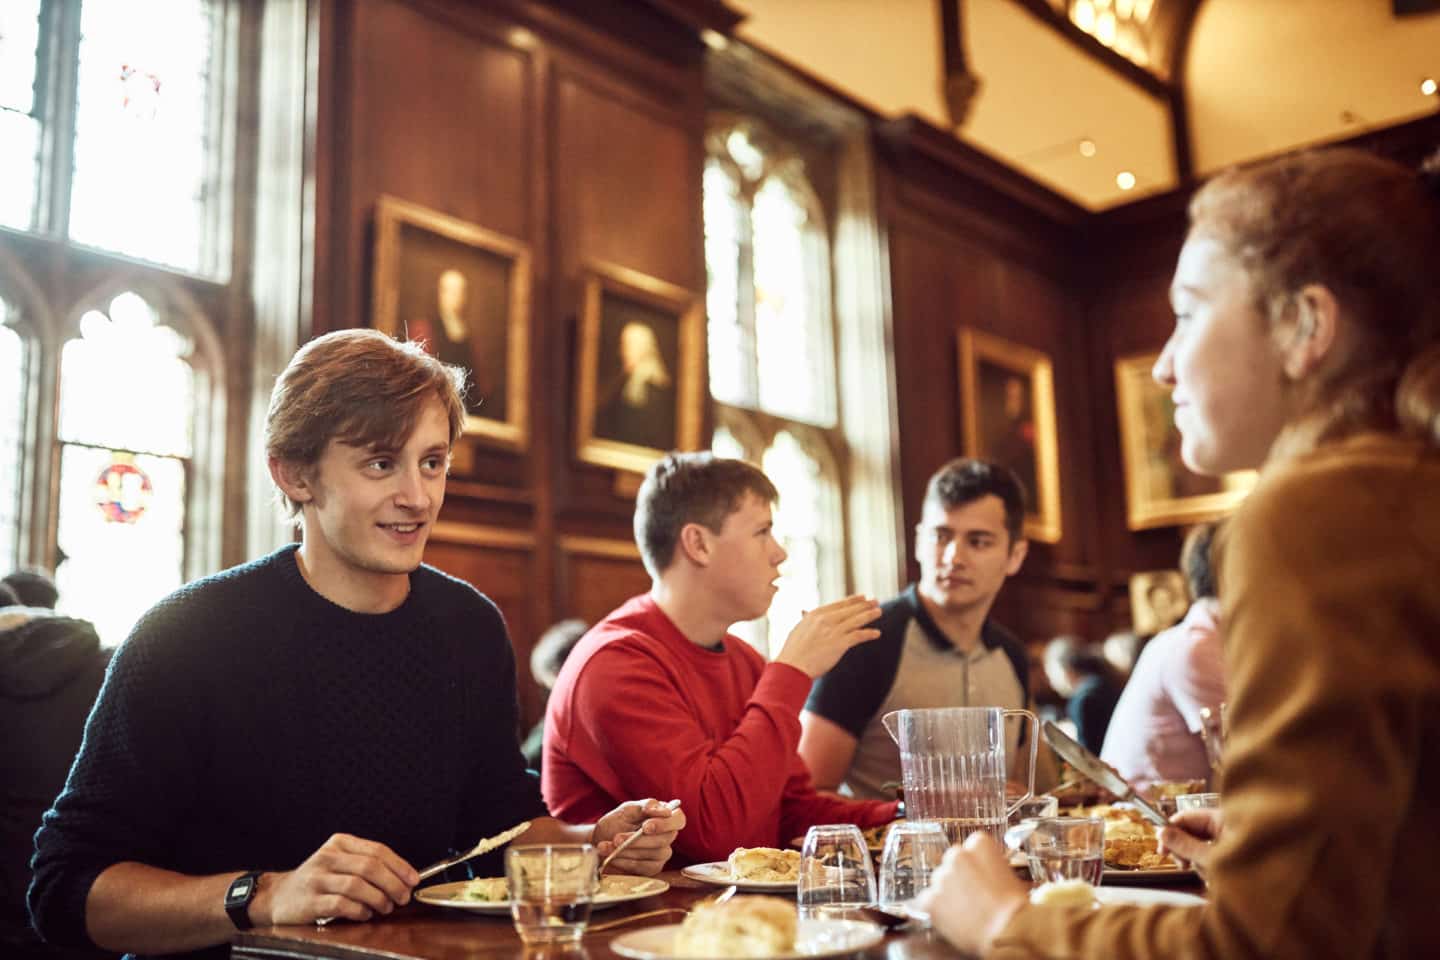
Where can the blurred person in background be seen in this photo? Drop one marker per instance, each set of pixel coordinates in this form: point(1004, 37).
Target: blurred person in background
point(1156, 731)
point(546, 660)
point(1078, 672)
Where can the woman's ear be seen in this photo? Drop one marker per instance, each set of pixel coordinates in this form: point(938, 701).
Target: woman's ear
point(1314, 333)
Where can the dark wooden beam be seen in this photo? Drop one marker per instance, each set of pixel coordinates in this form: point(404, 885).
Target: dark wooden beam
point(1138, 75)
point(958, 85)
point(1184, 29)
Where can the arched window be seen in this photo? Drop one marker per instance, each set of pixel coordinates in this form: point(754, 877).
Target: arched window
point(772, 356)
point(131, 398)
point(14, 363)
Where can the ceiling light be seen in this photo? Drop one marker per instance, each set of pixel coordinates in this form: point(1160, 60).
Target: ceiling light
point(1087, 147)
point(714, 39)
point(1125, 180)
point(1427, 86)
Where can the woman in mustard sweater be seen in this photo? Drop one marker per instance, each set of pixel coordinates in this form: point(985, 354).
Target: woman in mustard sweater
point(1307, 343)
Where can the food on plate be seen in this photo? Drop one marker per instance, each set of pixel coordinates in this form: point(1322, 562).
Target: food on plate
point(488, 889)
point(1131, 841)
point(497, 890)
point(766, 864)
point(875, 836)
point(1064, 893)
point(749, 926)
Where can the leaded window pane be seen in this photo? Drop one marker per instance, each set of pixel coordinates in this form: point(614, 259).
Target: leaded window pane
point(19, 125)
point(121, 534)
point(799, 525)
point(125, 382)
point(12, 435)
point(786, 345)
point(143, 129)
point(729, 344)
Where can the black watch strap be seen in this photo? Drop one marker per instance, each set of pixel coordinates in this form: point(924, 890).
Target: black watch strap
point(237, 898)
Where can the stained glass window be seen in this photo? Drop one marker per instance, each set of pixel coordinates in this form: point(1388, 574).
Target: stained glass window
point(19, 116)
point(12, 434)
point(145, 130)
point(807, 577)
point(768, 281)
point(127, 394)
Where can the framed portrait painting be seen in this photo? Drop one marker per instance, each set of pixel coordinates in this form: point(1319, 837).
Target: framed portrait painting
point(463, 291)
point(1158, 599)
point(638, 390)
point(1007, 398)
point(1160, 491)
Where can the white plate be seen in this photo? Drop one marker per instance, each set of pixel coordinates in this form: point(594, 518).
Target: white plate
point(446, 894)
point(813, 938)
point(1140, 896)
point(718, 874)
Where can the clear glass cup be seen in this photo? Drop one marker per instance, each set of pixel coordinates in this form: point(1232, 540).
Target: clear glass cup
point(551, 889)
point(836, 875)
point(912, 854)
point(1041, 806)
point(1197, 801)
point(1066, 848)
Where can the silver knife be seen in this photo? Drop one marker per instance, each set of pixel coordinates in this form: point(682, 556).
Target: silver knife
point(1098, 770)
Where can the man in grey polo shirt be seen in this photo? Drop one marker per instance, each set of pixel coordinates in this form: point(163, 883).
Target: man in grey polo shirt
point(937, 646)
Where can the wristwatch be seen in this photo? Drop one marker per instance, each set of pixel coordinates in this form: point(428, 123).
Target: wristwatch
point(237, 898)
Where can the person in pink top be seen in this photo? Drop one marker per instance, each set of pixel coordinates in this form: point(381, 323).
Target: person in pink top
point(1155, 732)
point(660, 698)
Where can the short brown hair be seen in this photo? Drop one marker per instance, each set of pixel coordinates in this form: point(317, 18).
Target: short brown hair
point(691, 488)
point(359, 387)
point(966, 479)
point(1368, 230)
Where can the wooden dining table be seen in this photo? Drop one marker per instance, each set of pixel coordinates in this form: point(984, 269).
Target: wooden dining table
point(422, 932)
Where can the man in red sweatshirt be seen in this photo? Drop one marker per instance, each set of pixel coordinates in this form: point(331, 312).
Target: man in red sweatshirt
point(659, 700)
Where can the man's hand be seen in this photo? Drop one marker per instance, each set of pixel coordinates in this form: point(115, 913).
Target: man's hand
point(823, 635)
point(1191, 835)
point(347, 877)
point(973, 895)
point(657, 824)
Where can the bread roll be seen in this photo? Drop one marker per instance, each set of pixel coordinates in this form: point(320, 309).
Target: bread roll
point(749, 926)
point(764, 864)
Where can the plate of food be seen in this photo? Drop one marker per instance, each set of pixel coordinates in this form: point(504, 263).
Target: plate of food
point(1132, 847)
point(750, 868)
point(755, 926)
point(491, 895)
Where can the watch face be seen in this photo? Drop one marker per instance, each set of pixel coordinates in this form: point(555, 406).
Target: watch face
point(240, 889)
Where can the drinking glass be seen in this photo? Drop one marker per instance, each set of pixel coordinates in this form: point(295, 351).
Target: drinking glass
point(836, 876)
point(1066, 848)
point(1041, 806)
point(1197, 801)
point(551, 887)
point(912, 854)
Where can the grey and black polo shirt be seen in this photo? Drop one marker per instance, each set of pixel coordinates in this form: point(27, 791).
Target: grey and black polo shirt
point(913, 665)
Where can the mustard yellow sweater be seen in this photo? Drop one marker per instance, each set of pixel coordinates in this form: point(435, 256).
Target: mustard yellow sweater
point(1330, 590)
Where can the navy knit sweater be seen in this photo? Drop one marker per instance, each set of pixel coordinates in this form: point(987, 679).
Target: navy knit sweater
point(247, 718)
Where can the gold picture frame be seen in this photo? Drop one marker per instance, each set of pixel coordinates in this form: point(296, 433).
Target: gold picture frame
point(465, 291)
point(638, 392)
point(1160, 491)
point(1007, 402)
point(1158, 599)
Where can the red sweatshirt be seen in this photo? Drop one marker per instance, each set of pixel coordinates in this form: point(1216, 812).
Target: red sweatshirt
point(639, 711)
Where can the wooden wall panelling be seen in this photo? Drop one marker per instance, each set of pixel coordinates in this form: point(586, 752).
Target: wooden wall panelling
point(500, 563)
point(596, 575)
point(625, 164)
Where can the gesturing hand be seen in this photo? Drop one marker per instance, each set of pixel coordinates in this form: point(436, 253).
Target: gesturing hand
point(823, 635)
point(347, 877)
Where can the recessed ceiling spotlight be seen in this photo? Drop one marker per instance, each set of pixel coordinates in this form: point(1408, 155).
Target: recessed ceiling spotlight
point(1428, 87)
point(1125, 180)
point(1087, 147)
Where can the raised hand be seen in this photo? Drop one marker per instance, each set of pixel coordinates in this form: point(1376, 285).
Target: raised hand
point(1192, 834)
point(347, 877)
point(973, 895)
point(823, 635)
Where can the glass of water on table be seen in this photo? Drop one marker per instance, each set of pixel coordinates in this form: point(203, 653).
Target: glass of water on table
point(1066, 848)
point(836, 875)
point(551, 889)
